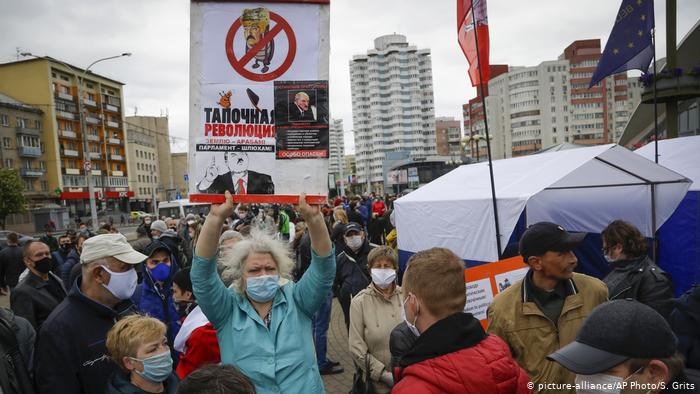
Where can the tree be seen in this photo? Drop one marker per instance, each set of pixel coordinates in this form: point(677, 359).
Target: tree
point(12, 199)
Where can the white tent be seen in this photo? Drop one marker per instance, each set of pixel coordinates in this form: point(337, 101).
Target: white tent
point(678, 154)
point(581, 189)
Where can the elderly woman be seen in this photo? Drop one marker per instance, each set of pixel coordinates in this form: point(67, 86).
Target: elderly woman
point(374, 312)
point(137, 344)
point(264, 328)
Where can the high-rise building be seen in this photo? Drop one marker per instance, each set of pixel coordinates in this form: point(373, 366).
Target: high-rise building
point(180, 173)
point(392, 105)
point(53, 86)
point(150, 160)
point(448, 136)
point(532, 108)
point(336, 147)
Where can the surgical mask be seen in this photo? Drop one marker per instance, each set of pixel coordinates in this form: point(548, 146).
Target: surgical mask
point(242, 215)
point(121, 284)
point(262, 288)
point(160, 272)
point(354, 242)
point(609, 259)
point(147, 221)
point(156, 368)
point(184, 307)
point(411, 326)
point(43, 265)
point(602, 383)
point(383, 277)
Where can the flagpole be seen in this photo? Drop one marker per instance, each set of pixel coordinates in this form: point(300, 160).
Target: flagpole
point(486, 130)
point(653, 80)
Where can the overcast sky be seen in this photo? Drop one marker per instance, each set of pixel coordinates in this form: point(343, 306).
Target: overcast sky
point(523, 33)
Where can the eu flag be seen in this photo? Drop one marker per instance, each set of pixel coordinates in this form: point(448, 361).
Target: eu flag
point(629, 45)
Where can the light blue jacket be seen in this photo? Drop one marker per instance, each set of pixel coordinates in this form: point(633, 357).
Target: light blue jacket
point(278, 359)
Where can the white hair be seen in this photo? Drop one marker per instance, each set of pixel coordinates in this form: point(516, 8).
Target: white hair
point(233, 262)
point(230, 234)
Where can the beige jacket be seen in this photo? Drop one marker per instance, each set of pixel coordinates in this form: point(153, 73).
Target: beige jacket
point(372, 318)
point(532, 336)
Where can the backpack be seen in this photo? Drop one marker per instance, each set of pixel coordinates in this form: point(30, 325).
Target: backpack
point(14, 377)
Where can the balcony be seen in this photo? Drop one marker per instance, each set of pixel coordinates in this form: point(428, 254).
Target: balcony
point(71, 153)
point(116, 157)
point(68, 134)
point(31, 172)
point(114, 125)
point(29, 151)
point(65, 96)
point(118, 173)
point(92, 137)
point(92, 120)
point(27, 131)
point(89, 103)
point(74, 181)
point(95, 155)
point(114, 141)
point(110, 107)
point(96, 172)
point(117, 181)
point(72, 171)
point(65, 115)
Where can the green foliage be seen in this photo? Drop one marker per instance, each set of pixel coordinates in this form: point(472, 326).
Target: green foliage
point(12, 199)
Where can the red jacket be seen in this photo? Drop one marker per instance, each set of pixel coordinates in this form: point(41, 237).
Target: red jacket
point(486, 367)
point(202, 349)
point(378, 208)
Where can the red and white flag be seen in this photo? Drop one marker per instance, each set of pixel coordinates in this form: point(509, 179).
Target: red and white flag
point(468, 36)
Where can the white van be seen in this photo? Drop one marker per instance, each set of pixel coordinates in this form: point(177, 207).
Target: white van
point(180, 208)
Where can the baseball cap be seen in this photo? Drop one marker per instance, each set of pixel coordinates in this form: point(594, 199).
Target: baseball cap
point(109, 245)
point(154, 247)
point(352, 226)
point(159, 225)
point(543, 237)
point(615, 332)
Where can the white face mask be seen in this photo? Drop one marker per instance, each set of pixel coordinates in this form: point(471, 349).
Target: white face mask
point(354, 242)
point(121, 284)
point(602, 383)
point(411, 326)
point(383, 277)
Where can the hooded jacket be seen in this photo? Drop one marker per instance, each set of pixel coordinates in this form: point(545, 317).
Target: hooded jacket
point(455, 355)
point(352, 274)
point(72, 259)
point(71, 355)
point(120, 383)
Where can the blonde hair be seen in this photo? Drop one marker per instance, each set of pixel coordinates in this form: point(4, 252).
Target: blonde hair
point(436, 276)
point(124, 339)
point(258, 242)
point(342, 216)
point(382, 253)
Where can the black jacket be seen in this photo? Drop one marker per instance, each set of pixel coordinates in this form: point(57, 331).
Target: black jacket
point(71, 356)
point(352, 274)
point(11, 265)
point(338, 238)
point(32, 300)
point(257, 184)
point(68, 264)
point(401, 340)
point(685, 322)
point(120, 383)
point(642, 280)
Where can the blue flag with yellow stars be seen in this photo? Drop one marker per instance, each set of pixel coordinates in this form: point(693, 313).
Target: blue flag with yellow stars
point(629, 45)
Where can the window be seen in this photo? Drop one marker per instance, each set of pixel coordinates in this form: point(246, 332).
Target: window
point(42, 165)
point(7, 143)
point(4, 120)
point(8, 163)
point(21, 122)
point(29, 186)
point(119, 167)
point(44, 186)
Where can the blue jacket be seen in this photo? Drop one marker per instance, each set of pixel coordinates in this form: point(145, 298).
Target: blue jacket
point(157, 301)
point(72, 259)
point(281, 358)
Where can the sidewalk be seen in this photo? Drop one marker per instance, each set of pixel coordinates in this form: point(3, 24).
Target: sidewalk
point(338, 351)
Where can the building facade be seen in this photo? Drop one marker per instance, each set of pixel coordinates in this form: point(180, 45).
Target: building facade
point(336, 147)
point(150, 160)
point(74, 144)
point(532, 108)
point(392, 105)
point(448, 136)
point(180, 173)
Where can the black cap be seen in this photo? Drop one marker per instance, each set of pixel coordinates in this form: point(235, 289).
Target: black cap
point(543, 237)
point(155, 246)
point(615, 332)
point(352, 226)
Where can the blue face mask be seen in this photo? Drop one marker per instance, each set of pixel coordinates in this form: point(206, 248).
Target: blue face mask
point(160, 273)
point(156, 368)
point(262, 288)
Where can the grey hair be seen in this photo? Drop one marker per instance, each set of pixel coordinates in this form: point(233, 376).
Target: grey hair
point(230, 234)
point(233, 262)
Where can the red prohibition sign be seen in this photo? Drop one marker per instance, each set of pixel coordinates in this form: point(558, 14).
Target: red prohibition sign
point(239, 64)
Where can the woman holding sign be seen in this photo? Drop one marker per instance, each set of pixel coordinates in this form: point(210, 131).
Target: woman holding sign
point(264, 325)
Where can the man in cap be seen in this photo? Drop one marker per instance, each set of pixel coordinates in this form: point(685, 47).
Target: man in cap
point(71, 355)
point(352, 274)
point(162, 234)
point(625, 346)
point(543, 311)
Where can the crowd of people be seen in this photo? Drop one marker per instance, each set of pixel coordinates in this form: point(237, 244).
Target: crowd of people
point(240, 301)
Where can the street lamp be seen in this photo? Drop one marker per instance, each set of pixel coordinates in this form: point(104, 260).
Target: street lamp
point(476, 138)
point(87, 165)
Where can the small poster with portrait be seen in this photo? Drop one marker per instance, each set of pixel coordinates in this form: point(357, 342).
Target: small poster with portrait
point(301, 119)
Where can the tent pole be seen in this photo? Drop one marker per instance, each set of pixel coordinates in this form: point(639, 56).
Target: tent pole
point(656, 119)
point(488, 139)
point(654, 250)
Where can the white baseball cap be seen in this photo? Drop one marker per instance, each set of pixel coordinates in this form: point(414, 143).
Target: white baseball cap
point(110, 245)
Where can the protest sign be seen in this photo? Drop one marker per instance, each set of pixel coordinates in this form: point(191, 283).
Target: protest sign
point(239, 52)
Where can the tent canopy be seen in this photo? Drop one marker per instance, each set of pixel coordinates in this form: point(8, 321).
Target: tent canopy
point(581, 189)
point(679, 154)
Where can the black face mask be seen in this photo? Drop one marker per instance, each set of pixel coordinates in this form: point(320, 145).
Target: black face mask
point(43, 265)
point(185, 307)
point(65, 247)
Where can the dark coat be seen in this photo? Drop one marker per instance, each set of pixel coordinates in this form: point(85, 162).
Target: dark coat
point(24, 334)
point(352, 274)
point(11, 265)
point(685, 322)
point(257, 184)
point(642, 280)
point(338, 238)
point(32, 300)
point(120, 383)
point(72, 259)
point(71, 355)
point(297, 115)
point(401, 340)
